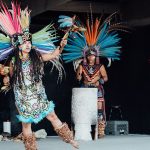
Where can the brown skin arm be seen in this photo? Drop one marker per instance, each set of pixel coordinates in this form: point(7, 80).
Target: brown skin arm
point(79, 73)
point(50, 56)
point(95, 79)
point(56, 53)
point(103, 73)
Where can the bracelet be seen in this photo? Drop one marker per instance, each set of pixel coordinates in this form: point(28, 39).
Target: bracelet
point(101, 81)
point(61, 48)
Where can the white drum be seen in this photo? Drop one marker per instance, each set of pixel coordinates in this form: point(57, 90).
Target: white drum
point(84, 111)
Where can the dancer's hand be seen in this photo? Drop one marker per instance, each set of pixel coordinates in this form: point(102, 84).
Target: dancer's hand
point(91, 81)
point(4, 70)
point(62, 44)
point(6, 80)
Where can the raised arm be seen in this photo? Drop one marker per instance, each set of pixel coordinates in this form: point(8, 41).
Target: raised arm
point(56, 53)
point(50, 56)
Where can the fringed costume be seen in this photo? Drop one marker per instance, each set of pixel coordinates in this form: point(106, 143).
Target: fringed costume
point(30, 96)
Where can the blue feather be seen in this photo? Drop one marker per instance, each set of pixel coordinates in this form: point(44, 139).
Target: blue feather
point(65, 20)
point(63, 16)
point(65, 24)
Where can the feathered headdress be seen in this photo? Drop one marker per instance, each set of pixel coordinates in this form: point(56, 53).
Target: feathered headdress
point(15, 24)
point(99, 39)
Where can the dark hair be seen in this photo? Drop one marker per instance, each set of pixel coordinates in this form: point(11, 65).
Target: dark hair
point(36, 70)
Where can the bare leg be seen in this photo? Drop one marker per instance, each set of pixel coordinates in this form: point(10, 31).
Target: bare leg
point(26, 129)
point(57, 124)
point(100, 105)
point(52, 117)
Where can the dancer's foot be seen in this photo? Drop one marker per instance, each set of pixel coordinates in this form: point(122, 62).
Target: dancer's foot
point(101, 136)
point(74, 144)
point(30, 142)
point(101, 129)
point(64, 132)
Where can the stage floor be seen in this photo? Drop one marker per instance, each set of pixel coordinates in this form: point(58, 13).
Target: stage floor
point(123, 142)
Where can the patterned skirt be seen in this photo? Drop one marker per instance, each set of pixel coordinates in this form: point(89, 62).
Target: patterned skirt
point(32, 103)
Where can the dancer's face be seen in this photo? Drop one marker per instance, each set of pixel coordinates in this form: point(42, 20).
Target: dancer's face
point(91, 59)
point(25, 47)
